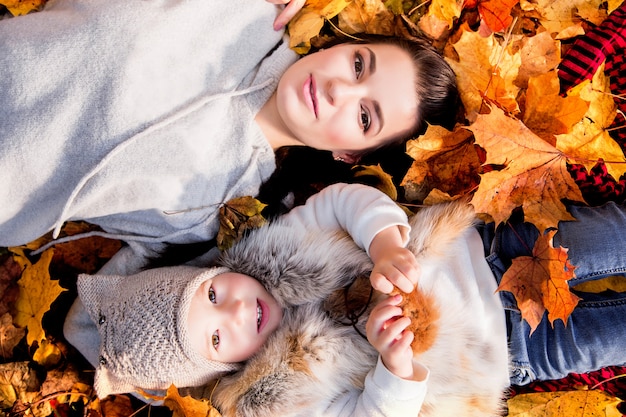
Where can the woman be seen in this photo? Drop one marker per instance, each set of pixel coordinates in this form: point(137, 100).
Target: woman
point(144, 117)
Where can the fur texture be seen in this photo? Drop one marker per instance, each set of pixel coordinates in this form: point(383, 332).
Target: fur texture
point(321, 278)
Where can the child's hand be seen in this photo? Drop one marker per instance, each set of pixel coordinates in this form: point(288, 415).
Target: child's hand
point(393, 263)
point(386, 331)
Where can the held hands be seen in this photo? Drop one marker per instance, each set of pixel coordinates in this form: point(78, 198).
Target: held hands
point(386, 328)
point(292, 7)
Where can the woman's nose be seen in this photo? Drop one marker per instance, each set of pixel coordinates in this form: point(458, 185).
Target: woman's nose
point(340, 90)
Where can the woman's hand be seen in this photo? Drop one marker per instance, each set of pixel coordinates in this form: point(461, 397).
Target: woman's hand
point(393, 263)
point(292, 7)
point(386, 331)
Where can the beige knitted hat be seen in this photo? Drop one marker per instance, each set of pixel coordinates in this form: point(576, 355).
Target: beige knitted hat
point(141, 320)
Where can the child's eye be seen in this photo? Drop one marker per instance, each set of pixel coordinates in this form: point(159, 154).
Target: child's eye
point(212, 295)
point(358, 64)
point(215, 340)
point(365, 119)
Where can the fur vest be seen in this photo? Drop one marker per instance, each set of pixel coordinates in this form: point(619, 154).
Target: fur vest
point(321, 278)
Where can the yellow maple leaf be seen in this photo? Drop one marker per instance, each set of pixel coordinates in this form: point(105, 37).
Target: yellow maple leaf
point(47, 354)
point(588, 140)
point(547, 113)
point(236, 216)
point(21, 7)
point(308, 22)
point(539, 283)
point(366, 16)
point(535, 176)
point(37, 292)
point(486, 70)
point(445, 10)
point(188, 406)
point(581, 403)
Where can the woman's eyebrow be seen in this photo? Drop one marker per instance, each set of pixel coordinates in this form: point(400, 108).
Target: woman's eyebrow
point(372, 70)
point(372, 57)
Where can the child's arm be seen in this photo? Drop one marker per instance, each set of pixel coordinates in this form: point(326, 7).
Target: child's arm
point(360, 210)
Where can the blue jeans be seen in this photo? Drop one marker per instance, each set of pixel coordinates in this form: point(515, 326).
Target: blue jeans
point(595, 334)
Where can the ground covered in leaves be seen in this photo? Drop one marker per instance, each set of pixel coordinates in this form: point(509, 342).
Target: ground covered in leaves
point(521, 144)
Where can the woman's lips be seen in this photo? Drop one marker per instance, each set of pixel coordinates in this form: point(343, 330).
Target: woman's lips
point(310, 96)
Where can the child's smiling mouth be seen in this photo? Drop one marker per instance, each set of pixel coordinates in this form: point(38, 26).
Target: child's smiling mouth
point(262, 315)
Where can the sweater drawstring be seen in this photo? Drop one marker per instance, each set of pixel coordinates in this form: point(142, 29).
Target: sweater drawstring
point(179, 114)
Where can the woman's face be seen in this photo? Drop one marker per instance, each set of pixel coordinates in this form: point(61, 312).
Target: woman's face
point(349, 98)
point(230, 317)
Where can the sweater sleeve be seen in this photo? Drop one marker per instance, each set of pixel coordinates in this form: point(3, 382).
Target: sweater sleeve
point(384, 395)
point(360, 210)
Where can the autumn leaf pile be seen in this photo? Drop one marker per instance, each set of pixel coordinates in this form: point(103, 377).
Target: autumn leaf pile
point(510, 151)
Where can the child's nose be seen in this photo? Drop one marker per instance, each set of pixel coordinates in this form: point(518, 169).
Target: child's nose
point(238, 311)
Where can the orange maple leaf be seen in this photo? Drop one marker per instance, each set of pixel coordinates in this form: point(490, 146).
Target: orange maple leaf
point(496, 14)
point(535, 176)
point(444, 160)
point(539, 283)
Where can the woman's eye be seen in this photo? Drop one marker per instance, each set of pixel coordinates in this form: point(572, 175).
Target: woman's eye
point(358, 64)
point(365, 119)
point(215, 340)
point(212, 295)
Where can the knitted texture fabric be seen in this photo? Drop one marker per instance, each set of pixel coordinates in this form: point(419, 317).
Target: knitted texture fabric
point(142, 321)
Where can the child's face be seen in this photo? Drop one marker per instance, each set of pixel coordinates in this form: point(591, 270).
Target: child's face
point(231, 316)
point(350, 97)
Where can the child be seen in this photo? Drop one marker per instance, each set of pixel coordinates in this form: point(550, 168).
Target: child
point(315, 363)
point(176, 315)
point(144, 117)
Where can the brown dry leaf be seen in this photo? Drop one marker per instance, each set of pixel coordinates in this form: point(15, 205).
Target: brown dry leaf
point(366, 16)
point(21, 7)
point(188, 406)
point(10, 336)
point(539, 283)
point(116, 406)
point(308, 22)
point(17, 382)
point(37, 292)
point(486, 70)
point(444, 160)
point(535, 176)
point(539, 55)
point(86, 255)
point(237, 216)
point(496, 14)
point(547, 113)
point(581, 403)
point(10, 272)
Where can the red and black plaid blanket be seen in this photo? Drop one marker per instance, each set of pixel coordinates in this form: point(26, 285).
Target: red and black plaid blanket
point(604, 43)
